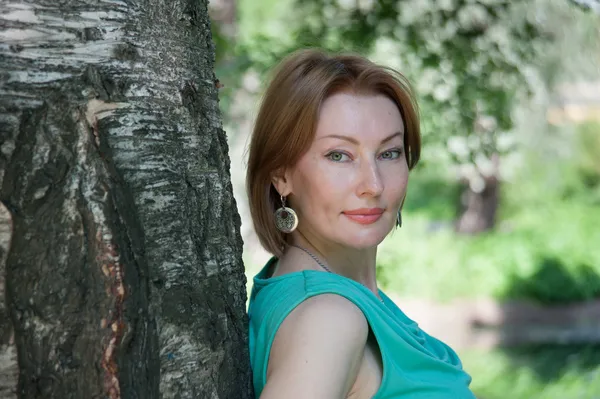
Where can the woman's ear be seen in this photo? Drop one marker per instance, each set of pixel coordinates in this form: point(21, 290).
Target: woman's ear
point(282, 182)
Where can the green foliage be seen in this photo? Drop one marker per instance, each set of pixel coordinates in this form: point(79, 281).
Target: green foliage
point(433, 193)
point(550, 254)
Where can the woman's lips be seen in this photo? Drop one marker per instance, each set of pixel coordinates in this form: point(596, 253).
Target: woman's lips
point(364, 215)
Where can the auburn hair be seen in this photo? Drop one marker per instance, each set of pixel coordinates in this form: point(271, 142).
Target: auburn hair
point(288, 115)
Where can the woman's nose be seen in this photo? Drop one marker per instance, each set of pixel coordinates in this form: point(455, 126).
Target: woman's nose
point(370, 182)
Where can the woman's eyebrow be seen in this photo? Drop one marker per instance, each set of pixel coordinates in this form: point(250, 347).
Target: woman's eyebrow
point(354, 141)
point(390, 137)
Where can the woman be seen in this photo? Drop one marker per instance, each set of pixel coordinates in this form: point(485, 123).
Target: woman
point(328, 167)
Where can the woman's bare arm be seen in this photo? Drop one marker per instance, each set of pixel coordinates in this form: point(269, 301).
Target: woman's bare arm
point(317, 350)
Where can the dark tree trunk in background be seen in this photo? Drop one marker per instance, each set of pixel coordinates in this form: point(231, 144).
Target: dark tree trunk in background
point(480, 198)
point(478, 209)
point(124, 276)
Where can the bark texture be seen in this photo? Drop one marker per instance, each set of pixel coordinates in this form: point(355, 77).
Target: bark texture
point(8, 351)
point(124, 276)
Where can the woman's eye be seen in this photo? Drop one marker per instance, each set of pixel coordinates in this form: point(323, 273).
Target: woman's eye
point(391, 154)
point(337, 156)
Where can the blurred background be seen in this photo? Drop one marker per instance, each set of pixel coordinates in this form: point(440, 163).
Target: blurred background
point(499, 254)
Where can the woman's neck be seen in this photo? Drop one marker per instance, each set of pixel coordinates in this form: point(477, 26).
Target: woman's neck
point(356, 264)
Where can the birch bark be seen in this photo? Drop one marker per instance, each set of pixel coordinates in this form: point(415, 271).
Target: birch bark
point(123, 273)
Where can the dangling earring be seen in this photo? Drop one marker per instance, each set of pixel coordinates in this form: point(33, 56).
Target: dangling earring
point(399, 219)
point(286, 219)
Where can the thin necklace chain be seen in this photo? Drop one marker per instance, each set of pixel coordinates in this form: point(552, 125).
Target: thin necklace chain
point(321, 263)
point(314, 258)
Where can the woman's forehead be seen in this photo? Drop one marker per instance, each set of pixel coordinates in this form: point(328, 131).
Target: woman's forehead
point(359, 117)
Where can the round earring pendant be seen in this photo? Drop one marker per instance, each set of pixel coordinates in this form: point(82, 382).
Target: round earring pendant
point(286, 219)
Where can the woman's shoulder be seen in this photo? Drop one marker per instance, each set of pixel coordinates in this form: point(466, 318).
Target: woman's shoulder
point(331, 311)
point(321, 341)
point(284, 311)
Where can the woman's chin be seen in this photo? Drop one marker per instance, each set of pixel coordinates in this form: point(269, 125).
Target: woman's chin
point(367, 240)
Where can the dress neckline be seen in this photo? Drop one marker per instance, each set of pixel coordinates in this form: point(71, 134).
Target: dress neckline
point(261, 279)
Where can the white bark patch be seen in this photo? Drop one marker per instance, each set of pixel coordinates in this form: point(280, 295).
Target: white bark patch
point(180, 345)
point(36, 77)
point(8, 371)
point(11, 36)
point(7, 148)
point(157, 184)
point(98, 109)
point(25, 14)
point(34, 27)
point(40, 192)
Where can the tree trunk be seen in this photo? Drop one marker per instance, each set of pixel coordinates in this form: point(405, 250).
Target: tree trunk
point(8, 351)
point(479, 200)
point(478, 208)
point(124, 276)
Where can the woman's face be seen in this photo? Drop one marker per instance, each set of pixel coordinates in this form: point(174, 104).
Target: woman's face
point(348, 187)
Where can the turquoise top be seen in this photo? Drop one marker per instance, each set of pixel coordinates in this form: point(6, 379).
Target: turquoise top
point(415, 365)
